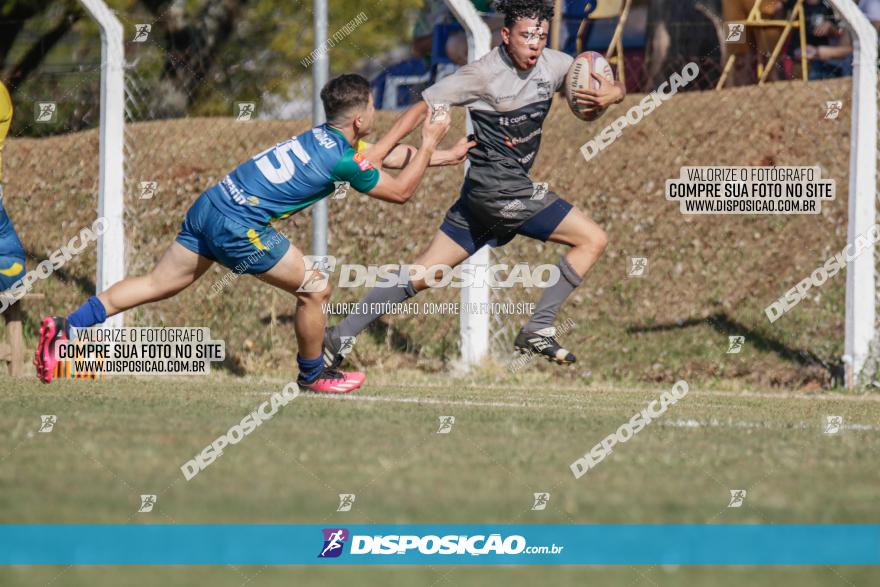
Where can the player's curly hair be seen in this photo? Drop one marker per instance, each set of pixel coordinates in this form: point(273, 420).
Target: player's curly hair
point(343, 93)
point(513, 10)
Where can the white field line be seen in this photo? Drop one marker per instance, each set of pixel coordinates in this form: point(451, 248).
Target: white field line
point(593, 395)
point(593, 405)
point(585, 392)
point(425, 400)
point(715, 423)
point(680, 423)
point(634, 390)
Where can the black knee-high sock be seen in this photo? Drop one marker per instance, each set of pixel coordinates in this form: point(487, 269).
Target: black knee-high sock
point(371, 307)
point(553, 296)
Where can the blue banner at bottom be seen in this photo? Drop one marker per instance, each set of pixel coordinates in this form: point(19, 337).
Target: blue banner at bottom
point(470, 544)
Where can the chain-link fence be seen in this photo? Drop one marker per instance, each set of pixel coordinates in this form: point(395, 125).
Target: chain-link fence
point(706, 277)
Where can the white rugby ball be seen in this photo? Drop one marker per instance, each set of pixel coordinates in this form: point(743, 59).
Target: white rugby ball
point(580, 76)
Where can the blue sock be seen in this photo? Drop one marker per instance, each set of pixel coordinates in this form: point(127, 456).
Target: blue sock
point(90, 313)
point(309, 369)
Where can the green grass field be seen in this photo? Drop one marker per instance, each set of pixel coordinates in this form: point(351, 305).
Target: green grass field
point(117, 439)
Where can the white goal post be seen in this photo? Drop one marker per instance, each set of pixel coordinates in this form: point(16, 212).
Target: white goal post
point(111, 244)
point(860, 284)
point(474, 326)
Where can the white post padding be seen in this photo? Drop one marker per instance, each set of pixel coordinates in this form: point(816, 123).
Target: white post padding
point(111, 244)
point(474, 325)
point(860, 282)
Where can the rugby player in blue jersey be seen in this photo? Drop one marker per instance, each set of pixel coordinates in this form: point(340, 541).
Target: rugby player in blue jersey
point(11, 252)
point(231, 221)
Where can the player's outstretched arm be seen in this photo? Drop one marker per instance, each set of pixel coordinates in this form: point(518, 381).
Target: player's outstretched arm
point(404, 125)
point(401, 155)
point(401, 188)
point(463, 87)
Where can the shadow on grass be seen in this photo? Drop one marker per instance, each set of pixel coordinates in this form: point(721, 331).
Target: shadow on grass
point(726, 325)
point(85, 285)
point(381, 332)
point(231, 364)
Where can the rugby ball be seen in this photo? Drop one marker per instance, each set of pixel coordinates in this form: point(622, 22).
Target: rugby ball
point(580, 76)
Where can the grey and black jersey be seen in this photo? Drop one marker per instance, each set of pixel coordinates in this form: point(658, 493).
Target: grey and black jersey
point(508, 108)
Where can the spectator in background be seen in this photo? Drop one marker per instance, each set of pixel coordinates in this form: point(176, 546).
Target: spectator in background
point(829, 44)
point(456, 44)
point(760, 41)
point(432, 13)
point(401, 84)
point(387, 92)
point(11, 252)
point(871, 8)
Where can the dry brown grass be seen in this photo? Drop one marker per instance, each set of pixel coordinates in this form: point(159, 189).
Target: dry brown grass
point(709, 276)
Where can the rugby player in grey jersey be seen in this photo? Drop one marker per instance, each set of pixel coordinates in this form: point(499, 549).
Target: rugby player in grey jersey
point(508, 94)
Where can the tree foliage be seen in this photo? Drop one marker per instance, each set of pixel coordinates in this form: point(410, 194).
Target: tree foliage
point(200, 57)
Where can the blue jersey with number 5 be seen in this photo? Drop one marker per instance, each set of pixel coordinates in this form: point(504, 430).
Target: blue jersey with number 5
point(291, 176)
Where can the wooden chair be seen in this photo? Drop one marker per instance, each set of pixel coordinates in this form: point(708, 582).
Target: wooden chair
point(795, 20)
point(12, 351)
point(618, 9)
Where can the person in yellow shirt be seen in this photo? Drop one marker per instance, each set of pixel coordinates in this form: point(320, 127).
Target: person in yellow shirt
point(12, 266)
point(760, 41)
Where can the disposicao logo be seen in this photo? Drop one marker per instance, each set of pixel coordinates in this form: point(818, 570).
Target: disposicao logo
point(334, 541)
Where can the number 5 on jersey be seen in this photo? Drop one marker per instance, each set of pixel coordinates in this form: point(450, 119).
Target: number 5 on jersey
point(285, 168)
